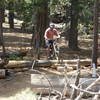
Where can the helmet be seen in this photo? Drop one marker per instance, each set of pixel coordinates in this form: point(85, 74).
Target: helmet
point(52, 25)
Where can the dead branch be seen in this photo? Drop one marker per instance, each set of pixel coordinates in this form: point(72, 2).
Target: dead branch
point(82, 90)
point(89, 87)
point(51, 88)
point(96, 96)
point(50, 85)
point(74, 92)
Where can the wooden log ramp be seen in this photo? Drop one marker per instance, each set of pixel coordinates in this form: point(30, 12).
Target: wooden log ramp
point(45, 63)
point(46, 83)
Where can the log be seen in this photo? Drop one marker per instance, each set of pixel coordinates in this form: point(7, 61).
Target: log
point(19, 69)
point(44, 63)
point(2, 73)
point(18, 64)
point(41, 84)
point(16, 53)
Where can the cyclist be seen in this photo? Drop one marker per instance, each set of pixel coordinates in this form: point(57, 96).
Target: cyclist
point(49, 37)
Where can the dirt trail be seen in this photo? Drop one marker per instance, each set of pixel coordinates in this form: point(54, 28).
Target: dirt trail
point(19, 87)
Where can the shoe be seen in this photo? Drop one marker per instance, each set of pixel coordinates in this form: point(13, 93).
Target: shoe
point(49, 58)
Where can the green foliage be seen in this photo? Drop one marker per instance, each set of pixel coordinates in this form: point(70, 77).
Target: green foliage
point(24, 10)
point(14, 57)
point(37, 2)
point(58, 6)
point(86, 10)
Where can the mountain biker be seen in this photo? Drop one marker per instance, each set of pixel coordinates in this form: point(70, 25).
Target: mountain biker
point(49, 36)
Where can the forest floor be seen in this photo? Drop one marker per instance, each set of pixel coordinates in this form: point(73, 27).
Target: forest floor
point(18, 86)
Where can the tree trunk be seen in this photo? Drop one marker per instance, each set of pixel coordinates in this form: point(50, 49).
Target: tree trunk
point(3, 14)
point(42, 21)
point(11, 14)
point(95, 39)
point(1, 30)
point(73, 34)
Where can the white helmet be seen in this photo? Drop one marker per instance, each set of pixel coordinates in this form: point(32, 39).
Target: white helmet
point(52, 25)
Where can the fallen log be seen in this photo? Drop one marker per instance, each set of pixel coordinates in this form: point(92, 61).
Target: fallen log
point(20, 64)
point(44, 63)
point(16, 53)
point(2, 73)
point(42, 84)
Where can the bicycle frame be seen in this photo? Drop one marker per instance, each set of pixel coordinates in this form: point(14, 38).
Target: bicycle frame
point(54, 50)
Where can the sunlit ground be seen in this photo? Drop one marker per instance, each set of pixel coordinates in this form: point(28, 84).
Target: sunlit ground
point(25, 94)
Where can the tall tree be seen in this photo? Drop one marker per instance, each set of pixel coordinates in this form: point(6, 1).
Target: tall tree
point(73, 34)
point(95, 39)
point(41, 18)
point(1, 27)
point(11, 13)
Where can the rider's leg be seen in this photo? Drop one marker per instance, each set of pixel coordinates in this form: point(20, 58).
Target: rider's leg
point(47, 48)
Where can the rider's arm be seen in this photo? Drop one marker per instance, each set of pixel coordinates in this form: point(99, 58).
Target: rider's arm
point(45, 35)
point(57, 33)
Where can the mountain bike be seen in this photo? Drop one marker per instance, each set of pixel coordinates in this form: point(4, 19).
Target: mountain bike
point(54, 50)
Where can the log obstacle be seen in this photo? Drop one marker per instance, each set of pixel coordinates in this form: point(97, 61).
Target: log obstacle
point(45, 63)
point(16, 53)
point(42, 84)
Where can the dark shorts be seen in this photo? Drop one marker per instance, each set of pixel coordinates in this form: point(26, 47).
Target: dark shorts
point(49, 42)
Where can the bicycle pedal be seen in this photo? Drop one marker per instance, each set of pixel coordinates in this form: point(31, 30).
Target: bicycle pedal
point(57, 51)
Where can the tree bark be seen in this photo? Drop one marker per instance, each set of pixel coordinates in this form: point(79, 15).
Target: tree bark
point(73, 34)
point(1, 30)
point(42, 21)
point(95, 38)
point(11, 14)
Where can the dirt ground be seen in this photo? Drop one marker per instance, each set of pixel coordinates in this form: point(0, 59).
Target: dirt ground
point(17, 86)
